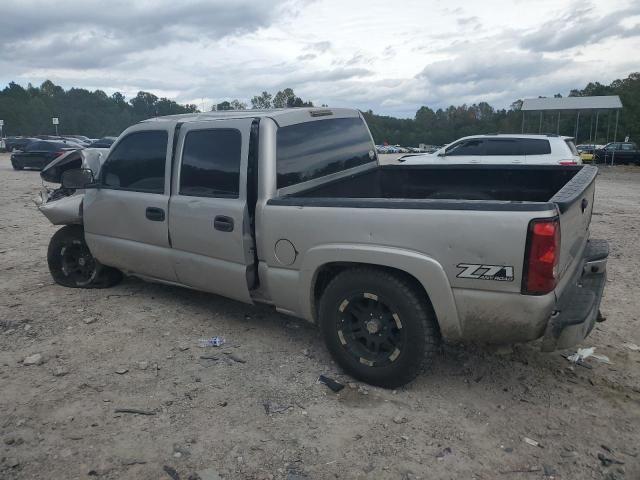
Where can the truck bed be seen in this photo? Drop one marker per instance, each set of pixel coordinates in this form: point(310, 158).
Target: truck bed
point(508, 183)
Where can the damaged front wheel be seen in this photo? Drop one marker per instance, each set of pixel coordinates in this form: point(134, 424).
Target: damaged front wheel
point(72, 265)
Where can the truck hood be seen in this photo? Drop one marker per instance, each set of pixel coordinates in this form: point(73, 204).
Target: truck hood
point(91, 158)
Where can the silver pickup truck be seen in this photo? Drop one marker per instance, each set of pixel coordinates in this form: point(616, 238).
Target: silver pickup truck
point(291, 208)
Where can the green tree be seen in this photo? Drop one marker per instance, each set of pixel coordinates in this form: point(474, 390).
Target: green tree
point(262, 101)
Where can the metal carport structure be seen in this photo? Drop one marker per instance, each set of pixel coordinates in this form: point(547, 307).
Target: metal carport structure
point(595, 104)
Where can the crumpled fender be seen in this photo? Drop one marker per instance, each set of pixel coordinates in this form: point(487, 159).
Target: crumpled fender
point(64, 211)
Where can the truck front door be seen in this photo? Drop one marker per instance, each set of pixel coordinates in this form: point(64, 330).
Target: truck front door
point(125, 219)
point(208, 220)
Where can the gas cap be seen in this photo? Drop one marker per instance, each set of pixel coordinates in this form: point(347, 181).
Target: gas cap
point(285, 252)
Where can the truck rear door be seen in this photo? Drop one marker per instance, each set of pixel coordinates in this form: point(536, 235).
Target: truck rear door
point(208, 220)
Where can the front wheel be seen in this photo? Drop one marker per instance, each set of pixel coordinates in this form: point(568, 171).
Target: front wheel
point(72, 265)
point(378, 326)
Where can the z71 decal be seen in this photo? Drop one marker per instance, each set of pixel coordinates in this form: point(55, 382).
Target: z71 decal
point(500, 273)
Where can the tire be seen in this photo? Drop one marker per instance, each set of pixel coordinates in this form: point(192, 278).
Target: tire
point(72, 265)
point(378, 326)
point(17, 167)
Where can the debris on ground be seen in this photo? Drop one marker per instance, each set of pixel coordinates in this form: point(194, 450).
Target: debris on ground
point(235, 358)
point(331, 383)
point(632, 346)
point(35, 359)
point(211, 342)
point(584, 353)
point(121, 371)
point(171, 472)
point(446, 451)
point(90, 320)
point(134, 411)
point(60, 371)
point(208, 474)
point(532, 442)
point(142, 365)
point(400, 419)
point(608, 461)
point(525, 469)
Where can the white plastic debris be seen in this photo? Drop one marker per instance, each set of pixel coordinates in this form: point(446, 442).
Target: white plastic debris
point(584, 353)
point(531, 442)
point(581, 354)
point(632, 346)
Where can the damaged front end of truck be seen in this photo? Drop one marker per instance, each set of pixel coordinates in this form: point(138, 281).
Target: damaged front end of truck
point(63, 206)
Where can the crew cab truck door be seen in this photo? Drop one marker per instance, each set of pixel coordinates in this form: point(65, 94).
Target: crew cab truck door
point(208, 221)
point(125, 218)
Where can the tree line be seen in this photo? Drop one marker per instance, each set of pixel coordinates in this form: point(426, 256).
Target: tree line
point(28, 111)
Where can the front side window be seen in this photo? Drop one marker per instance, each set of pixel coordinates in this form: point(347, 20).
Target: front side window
point(211, 163)
point(503, 146)
point(310, 150)
point(137, 163)
point(467, 147)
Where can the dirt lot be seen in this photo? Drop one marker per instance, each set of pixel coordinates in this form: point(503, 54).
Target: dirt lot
point(135, 346)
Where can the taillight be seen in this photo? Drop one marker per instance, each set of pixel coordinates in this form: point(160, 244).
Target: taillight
point(58, 153)
point(542, 257)
point(568, 162)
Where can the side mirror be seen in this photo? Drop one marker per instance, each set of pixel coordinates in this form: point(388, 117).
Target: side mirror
point(77, 178)
point(442, 154)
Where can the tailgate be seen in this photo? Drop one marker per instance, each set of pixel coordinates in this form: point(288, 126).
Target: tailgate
point(575, 205)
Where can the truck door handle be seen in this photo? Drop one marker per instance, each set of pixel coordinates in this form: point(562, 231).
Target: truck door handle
point(223, 223)
point(155, 214)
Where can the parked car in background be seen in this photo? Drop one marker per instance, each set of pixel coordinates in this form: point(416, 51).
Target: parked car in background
point(503, 149)
point(618, 152)
point(104, 142)
point(586, 152)
point(39, 153)
point(18, 143)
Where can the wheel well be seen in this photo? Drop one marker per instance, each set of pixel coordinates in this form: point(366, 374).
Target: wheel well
point(329, 270)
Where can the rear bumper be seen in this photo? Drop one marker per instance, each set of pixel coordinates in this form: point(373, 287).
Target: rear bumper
point(578, 308)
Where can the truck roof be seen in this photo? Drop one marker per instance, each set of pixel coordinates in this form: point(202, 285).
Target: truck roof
point(282, 116)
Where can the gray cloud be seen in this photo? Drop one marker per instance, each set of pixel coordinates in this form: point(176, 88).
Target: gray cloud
point(579, 28)
point(91, 34)
point(320, 47)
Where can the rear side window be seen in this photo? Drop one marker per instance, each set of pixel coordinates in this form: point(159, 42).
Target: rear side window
point(473, 146)
point(137, 163)
point(535, 146)
point(627, 146)
point(503, 146)
point(314, 149)
point(211, 163)
point(572, 147)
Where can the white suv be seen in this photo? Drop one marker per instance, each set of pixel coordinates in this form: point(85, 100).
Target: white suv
point(501, 149)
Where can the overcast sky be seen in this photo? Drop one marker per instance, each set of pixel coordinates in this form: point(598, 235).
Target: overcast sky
point(391, 56)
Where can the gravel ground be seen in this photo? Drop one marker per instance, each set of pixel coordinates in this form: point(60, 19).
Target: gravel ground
point(257, 412)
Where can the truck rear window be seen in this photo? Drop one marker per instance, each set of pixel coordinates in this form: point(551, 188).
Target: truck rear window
point(314, 149)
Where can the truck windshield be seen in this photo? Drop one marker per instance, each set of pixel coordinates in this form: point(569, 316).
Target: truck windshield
point(314, 149)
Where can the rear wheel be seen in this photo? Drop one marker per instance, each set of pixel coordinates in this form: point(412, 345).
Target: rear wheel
point(16, 166)
point(72, 265)
point(378, 326)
